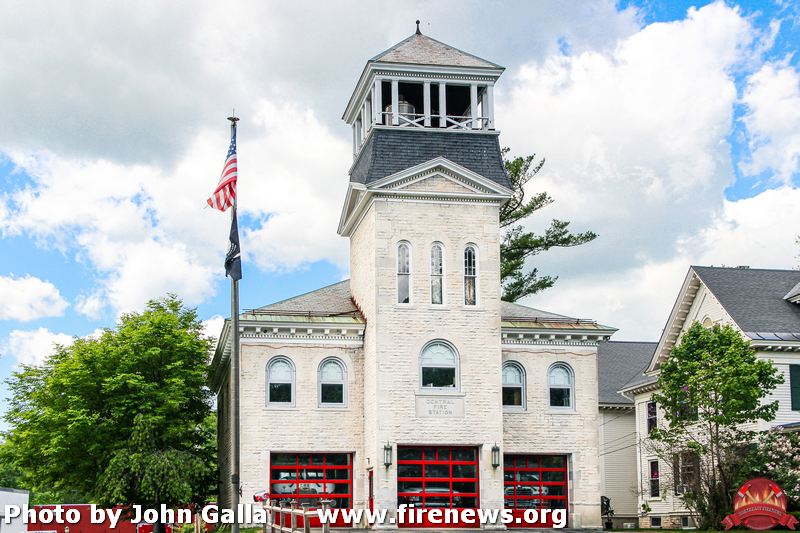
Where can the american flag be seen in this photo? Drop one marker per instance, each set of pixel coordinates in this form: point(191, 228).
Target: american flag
point(225, 193)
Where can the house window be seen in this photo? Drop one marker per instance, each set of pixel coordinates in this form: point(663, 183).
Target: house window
point(280, 382)
point(513, 386)
point(655, 521)
point(470, 275)
point(403, 273)
point(685, 468)
point(438, 366)
point(794, 384)
point(332, 383)
point(560, 385)
point(437, 274)
point(652, 416)
point(655, 491)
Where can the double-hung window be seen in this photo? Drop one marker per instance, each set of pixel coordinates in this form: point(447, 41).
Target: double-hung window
point(513, 386)
point(280, 382)
point(438, 364)
point(561, 387)
point(437, 274)
point(470, 275)
point(403, 273)
point(332, 383)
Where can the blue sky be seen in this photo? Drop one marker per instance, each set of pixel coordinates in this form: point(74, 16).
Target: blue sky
point(671, 128)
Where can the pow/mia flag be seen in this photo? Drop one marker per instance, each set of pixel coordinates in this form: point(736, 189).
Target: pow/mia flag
point(233, 259)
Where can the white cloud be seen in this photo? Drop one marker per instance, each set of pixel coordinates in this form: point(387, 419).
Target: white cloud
point(147, 231)
point(213, 326)
point(29, 298)
point(772, 97)
point(33, 347)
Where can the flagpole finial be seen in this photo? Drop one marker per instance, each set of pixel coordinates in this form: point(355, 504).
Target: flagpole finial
point(233, 117)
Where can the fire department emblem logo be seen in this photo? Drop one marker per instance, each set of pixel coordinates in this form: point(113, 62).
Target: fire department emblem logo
point(760, 504)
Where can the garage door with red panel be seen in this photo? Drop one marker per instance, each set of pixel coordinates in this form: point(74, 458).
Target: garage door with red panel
point(437, 478)
point(311, 477)
point(535, 482)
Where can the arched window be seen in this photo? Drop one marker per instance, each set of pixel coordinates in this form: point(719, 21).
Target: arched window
point(470, 275)
point(403, 273)
point(280, 382)
point(513, 386)
point(561, 387)
point(332, 383)
point(438, 366)
point(437, 274)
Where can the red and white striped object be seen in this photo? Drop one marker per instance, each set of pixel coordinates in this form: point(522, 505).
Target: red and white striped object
point(225, 193)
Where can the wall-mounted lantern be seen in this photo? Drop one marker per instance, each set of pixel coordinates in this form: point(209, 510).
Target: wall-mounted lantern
point(495, 456)
point(387, 455)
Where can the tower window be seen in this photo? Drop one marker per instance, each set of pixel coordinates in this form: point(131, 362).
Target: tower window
point(403, 273)
point(437, 274)
point(470, 276)
point(438, 364)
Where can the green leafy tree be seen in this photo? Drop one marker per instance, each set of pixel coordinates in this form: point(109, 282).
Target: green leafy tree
point(517, 245)
point(129, 404)
point(711, 387)
point(776, 455)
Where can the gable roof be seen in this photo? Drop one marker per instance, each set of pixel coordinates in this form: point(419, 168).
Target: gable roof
point(422, 50)
point(621, 364)
point(754, 298)
point(391, 150)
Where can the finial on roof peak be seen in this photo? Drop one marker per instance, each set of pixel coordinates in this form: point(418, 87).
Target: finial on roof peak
point(418, 32)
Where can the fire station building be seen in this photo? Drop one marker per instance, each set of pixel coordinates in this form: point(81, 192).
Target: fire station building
point(413, 382)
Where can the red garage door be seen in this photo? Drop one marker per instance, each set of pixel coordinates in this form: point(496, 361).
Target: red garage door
point(535, 482)
point(437, 478)
point(311, 477)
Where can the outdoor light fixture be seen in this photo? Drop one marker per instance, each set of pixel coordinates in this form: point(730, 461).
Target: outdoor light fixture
point(387, 455)
point(495, 456)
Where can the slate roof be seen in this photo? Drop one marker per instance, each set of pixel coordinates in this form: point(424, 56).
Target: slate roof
point(422, 50)
point(511, 311)
point(755, 298)
point(388, 151)
point(333, 300)
point(621, 363)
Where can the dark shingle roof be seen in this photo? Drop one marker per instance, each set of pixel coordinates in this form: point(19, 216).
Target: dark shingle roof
point(422, 50)
point(388, 151)
point(755, 297)
point(333, 300)
point(620, 364)
point(510, 311)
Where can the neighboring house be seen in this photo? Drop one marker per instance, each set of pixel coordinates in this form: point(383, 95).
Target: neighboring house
point(12, 497)
point(764, 306)
point(618, 364)
point(413, 382)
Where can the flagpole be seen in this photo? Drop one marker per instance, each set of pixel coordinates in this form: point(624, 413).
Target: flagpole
point(235, 481)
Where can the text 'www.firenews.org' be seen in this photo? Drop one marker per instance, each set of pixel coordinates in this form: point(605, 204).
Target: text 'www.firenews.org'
point(410, 516)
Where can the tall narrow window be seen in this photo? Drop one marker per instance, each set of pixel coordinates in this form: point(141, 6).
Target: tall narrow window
point(470, 275)
point(332, 383)
point(652, 416)
point(655, 490)
point(280, 382)
point(560, 387)
point(437, 274)
point(403, 273)
point(513, 386)
point(794, 386)
point(438, 364)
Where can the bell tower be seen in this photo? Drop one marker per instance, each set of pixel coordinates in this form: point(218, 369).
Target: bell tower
point(422, 214)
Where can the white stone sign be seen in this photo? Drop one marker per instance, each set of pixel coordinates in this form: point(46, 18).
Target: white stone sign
point(440, 407)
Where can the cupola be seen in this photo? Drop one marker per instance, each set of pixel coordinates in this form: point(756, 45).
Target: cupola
point(421, 83)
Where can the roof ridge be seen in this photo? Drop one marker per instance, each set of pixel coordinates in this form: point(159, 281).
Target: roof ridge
point(787, 270)
point(421, 36)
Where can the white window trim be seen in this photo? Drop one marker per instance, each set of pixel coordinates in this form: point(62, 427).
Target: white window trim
point(572, 398)
point(410, 275)
point(294, 381)
point(650, 479)
point(322, 405)
point(477, 276)
point(455, 389)
point(522, 386)
point(444, 270)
